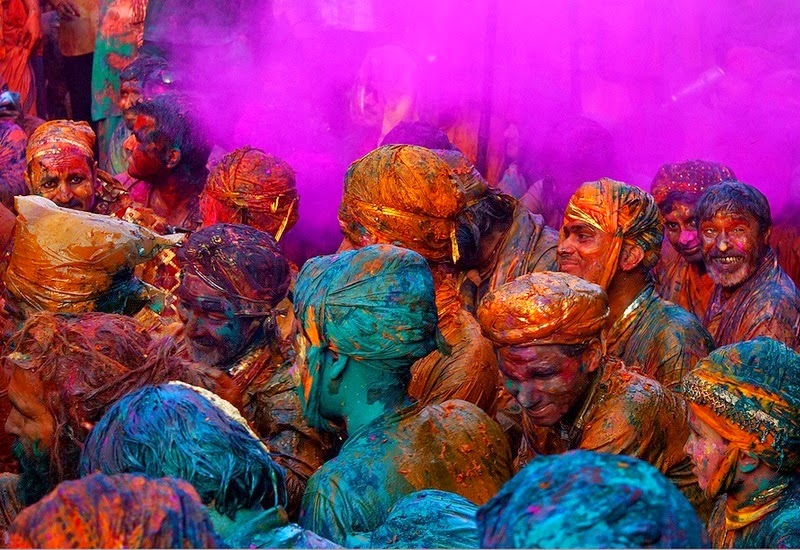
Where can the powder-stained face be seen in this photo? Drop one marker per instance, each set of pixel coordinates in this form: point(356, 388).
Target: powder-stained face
point(146, 160)
point(681, 231)
point(29, 420)
point(706, 448)
point(583, 251)
point(733, 246)
point(130, 93)
point(215, 335)
point(546, 381)
point(68, 179)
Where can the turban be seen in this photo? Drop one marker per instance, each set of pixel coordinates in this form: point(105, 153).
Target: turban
point(749, 393)
point(543, 308)
point(52, 137)
point(693, 176)
point(583, 499)
point(243, 263)
point(623, 211)
point(251, 187)
point(409, 196)
point(123, 511)
point(70, 261)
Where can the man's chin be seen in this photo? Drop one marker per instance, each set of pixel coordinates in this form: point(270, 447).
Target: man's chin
point(34, 477)
point(209, 356)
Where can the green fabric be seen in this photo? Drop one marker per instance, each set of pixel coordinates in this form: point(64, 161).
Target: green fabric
point(114, 49)
point(269, 529)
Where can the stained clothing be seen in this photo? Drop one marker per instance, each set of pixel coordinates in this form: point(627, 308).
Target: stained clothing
point(452, 447)
point(771, 524)
point(785, 241)
point(767, 304)
point(271, 529)
point(12, 162)
point(14, 66)
point(622, 413)
point(661, 339)
point(684, 283)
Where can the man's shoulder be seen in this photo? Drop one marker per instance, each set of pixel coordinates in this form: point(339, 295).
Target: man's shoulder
point(675, 323)
point(622, 388)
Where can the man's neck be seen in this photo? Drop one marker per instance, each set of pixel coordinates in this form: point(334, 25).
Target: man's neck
point(359, 410)
point(622, 291)
point(756, 488)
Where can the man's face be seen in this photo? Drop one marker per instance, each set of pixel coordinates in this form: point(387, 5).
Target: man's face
point(215, 335)
point(68, 179)
point(706, 448)
point(681, 231)
point(733, 247)
point(582, 251)
point(130, 94)
point(545, 380)
point(146, 160)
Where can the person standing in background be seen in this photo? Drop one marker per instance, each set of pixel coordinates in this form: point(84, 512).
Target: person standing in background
point(19, 34)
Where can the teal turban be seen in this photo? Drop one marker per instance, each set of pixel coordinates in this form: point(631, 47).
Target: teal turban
point(375, 304)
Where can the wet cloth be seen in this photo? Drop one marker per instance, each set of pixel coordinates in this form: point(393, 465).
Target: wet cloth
point(767, 304)
point(271, 529)
point(251, 187)
point(452, 447)
point(684, 283)
point(122, 511)
point(661, 339)
point(589, 500)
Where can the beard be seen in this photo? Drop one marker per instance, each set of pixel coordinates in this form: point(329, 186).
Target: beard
point(34, 473)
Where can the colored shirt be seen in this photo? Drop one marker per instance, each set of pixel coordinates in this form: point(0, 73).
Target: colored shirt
point(271, 529)
point(115, 48)
point(769, 527)
point(662, 340)
point(684, 283)
point(785, 241)
point(77, 36)
point(767, 304)
point(623, 413)
point(271, 404)
point(452, 447)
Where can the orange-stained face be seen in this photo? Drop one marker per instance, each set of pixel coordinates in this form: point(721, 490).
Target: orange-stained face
point(69, 179)
point(583, 251)
point(29, 420)
point(706, 448)
point(145, 160)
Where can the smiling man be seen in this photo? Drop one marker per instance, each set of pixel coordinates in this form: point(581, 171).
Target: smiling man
point(547, 329)
point(612, 237)
point(752, 295)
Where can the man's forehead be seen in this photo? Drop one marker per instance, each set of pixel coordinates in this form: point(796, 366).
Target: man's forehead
point(66, 158)
point(733, 215)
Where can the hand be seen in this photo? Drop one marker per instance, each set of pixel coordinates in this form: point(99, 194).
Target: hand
point(32, 31)
point(67, 10)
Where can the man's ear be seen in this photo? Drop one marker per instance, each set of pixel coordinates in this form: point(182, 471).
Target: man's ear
point(337, 367)
point(592, 356)
point(173, 158)
point(748, 462)
point(630, 257)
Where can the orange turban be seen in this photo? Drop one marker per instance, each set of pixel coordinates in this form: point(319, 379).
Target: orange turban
point(543, 308)
point(254, 188)
point(409, 196)
point(52, 137)
point(623, 211)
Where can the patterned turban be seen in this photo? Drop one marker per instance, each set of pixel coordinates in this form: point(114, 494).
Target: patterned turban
point(243, 263)
point(692, 176)
point(623, 211)
point(749, 393)
point(543, 308)
point(583, 499)
point(254, 188)
point(409, 196)
point(51, 138)
point(374, 304)
point(122, 511)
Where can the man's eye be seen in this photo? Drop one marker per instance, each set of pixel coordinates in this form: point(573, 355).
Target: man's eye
point(672, 226)
point(709, 232)
point(49, 185)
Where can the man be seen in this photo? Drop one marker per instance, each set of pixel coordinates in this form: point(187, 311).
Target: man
point(583, 499)
point(254, 188)
point(752, 295)
point(61, 167)
point(412, 197)
point(682, 276)
point(366, 316)
point(180, 431)
point(547, 329)
point(233, 279)
point(20, 32)
point(612, 237)
point(744, 414)
point(169, 152)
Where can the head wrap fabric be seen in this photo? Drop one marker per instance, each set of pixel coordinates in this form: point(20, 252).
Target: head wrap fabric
point(405, 195)
point(544, 308)
point(375, 304)
point(417, 133)
point(749, 393)
point(623, 211)
point(123, 511)
point(243, 263)
point(51, 138)
point(692, 176)
point(254, 188)
point(583, 499)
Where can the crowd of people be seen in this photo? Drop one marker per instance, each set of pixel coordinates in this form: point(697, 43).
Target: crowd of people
point(468, 370)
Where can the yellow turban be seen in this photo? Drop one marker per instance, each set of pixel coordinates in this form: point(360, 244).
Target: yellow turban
point(51, 138)
point(623, 211)
point(409, 196)
point(544, 308)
